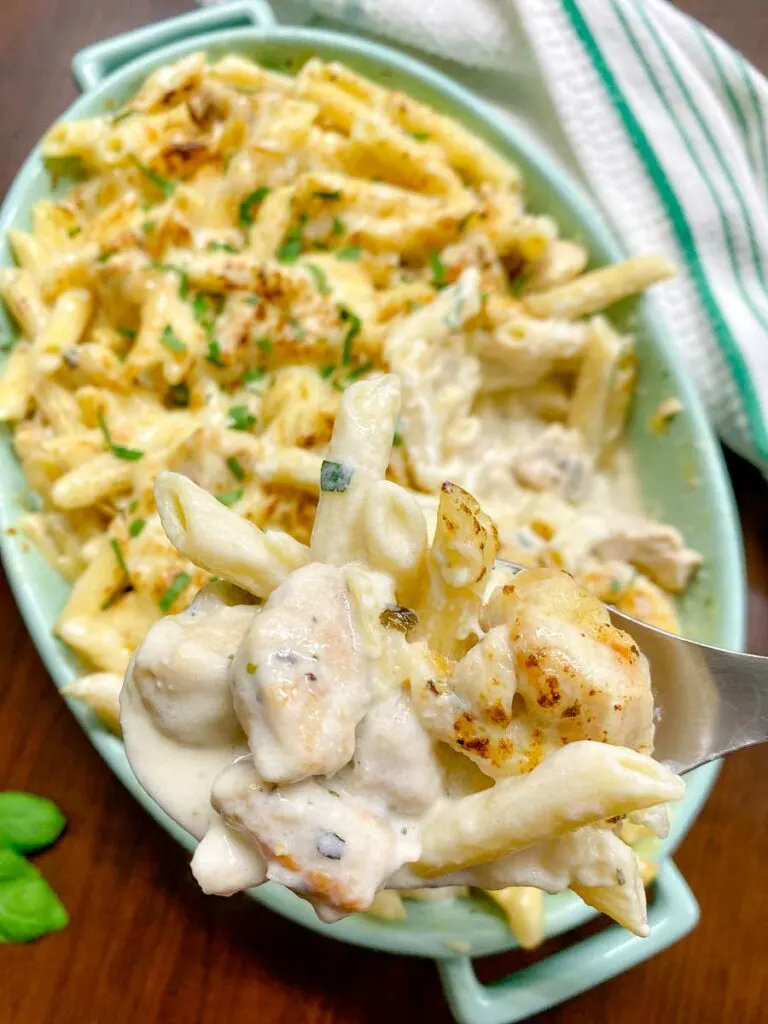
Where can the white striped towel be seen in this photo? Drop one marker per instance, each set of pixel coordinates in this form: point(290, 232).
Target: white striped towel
point(667, 126)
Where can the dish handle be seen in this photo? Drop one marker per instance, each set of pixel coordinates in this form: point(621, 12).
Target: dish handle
point(91, 65)
point(573, 970)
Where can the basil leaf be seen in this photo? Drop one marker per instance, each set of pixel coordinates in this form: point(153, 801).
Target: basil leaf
point(180, 582)
point(29, 908)
point(13, 866)
point(335, 476)
point(29, 822)
point(246, 207)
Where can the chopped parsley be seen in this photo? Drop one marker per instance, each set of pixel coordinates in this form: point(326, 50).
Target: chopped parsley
point(74, 232)
point(127, 333)
point(297, 327)
point(517, 286)
point(321, 281)
point(337, 227)
point(234, 465)
point(326, 371)
point(419, 136)
point(104, 256)
point(148, 227)
point(129, 454)
point(438, 270)
point(240, 418)
point(358, 371)
point(335, 476)
point(221, 247)
point(171, 341)
point(165, 186)
point(169, 268)
point(180, 582)
point(349, 253)
point(230, 497)
point(179, 395)
point(247, 205)
point(135, 528)
point(133, 506)
point(330, 196)
point(251, 376)
point(353, 330)
point(118, 554)
point(254, 300)
point(290, 250)
point(213, 355)
point(250, 668)
point(265, 345)
point(398, 440)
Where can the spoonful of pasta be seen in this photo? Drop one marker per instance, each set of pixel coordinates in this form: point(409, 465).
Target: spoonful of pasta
point(380, 710)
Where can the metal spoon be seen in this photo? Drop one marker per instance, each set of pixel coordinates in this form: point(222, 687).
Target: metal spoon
point(709, 702)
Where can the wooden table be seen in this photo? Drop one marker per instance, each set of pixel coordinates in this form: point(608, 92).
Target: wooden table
point(144, 945)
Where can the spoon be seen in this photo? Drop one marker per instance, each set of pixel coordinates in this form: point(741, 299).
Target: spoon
point(709, 701)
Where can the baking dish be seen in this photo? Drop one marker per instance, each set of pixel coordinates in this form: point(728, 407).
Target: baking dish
point(682, 476)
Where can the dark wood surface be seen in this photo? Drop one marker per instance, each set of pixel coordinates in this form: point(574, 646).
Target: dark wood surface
point(144, 945)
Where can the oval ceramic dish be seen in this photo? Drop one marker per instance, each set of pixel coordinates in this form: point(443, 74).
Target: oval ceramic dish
point(682, 475)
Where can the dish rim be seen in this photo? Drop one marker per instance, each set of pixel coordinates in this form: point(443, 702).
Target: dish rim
point(366, 932)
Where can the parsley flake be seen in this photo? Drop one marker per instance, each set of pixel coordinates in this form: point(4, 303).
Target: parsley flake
point(165, 186)
point(118, 554)
point(171, 341)
point(247, 205)
point(337, 227)
point(230, 497)
point(169, 268)
point(240, 418)
point(353, 330)
point(179, 584)
point(335, 476)
point(129, 454)
point(236, 469)
point(321, 281)
point(349, 253)
point(438, 270)
point(135, 528)
point(213, 355)
point(329, 196)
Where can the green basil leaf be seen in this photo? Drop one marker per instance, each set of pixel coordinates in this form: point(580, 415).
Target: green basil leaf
point(29, 822)
point(29, 908)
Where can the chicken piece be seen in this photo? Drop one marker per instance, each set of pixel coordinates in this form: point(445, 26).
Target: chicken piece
point(658, 550)
point(180, 672)
point(473, 710)
point(394, 759)
point(300, 678)
point(555, 461)
point(578, 677)
point(328, 848)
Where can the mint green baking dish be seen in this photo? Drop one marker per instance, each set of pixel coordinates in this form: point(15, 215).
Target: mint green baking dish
point(682, 475)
